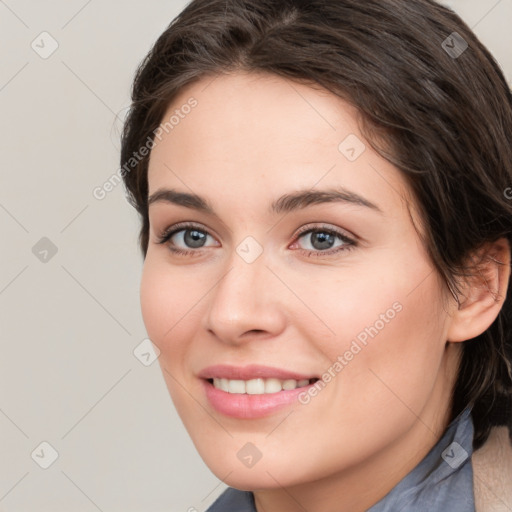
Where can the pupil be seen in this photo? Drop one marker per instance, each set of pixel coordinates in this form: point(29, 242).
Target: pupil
point(326, 240)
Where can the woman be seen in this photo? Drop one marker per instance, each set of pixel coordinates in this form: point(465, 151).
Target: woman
point(324, 189)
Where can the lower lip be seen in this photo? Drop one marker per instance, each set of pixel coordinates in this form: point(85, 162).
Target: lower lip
point(245, 406)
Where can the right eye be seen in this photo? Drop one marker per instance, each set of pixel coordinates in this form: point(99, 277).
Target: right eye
point(191, 236)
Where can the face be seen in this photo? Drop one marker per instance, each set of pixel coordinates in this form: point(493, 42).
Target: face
point(266, 290)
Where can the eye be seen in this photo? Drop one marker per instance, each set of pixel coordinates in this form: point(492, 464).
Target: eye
point(322, 241)
point(189, 235)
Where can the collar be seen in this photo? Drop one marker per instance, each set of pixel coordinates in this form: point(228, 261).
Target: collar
point(443, 480)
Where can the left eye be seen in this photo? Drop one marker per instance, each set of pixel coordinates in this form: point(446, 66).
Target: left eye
point(322, 240)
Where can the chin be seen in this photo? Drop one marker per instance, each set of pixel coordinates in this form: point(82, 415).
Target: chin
point(266, 473)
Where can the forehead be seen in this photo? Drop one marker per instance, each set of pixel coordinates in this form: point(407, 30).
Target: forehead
point(261, 107)
point(259, 135)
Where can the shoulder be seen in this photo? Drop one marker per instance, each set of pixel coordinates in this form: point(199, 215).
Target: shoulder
point(233, 500)
point(492, 473)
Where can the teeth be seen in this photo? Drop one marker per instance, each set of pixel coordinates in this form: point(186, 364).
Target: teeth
point(258, 386)
point(236, 386)
point(273, 385)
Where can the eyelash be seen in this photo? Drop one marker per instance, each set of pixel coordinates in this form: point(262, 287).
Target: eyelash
point(169, 232)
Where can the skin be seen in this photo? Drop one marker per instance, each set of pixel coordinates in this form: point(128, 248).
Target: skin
point(250, 139)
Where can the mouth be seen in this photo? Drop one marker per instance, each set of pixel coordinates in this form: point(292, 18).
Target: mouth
point(253, 391)
point(254, 398)
point(259, 386)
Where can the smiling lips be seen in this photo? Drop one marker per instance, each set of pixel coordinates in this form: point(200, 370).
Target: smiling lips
point(252, 391)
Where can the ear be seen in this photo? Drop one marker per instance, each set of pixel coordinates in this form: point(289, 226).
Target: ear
point(483, 293)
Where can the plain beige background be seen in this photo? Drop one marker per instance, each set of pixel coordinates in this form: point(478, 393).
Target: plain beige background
point(70, 320)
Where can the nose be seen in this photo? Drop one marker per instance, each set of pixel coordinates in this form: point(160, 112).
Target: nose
point(245, 304)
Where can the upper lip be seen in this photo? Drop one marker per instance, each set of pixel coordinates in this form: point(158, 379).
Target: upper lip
point(253, 371)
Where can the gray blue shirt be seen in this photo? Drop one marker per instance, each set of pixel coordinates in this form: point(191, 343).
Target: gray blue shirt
point(442, 481)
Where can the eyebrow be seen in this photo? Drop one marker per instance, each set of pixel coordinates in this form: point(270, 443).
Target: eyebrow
point(286, 203)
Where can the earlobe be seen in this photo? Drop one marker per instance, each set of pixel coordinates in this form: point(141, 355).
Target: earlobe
point(483, 293)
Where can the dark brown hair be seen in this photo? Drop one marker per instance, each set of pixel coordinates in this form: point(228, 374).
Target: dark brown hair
point(442, 113)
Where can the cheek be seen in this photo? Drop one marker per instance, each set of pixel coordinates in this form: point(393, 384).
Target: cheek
point(166, 301)
point(171, 301)
point(389, 339)
point(167, 312)
point(402, 356)
point(390, 376)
